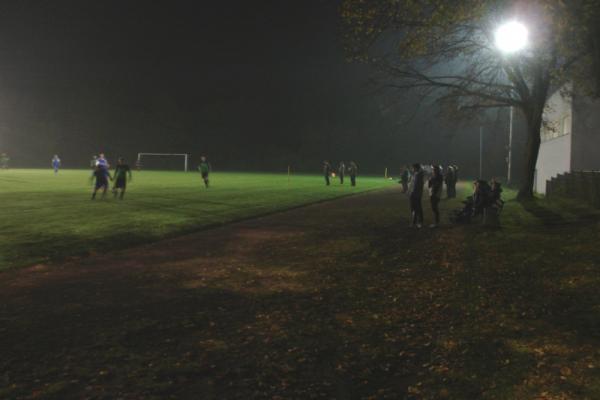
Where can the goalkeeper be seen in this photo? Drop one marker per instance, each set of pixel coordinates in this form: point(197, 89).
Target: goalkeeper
point(204, 169)
point(121, 175)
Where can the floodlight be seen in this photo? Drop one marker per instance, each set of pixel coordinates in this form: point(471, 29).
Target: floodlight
point(511, 37)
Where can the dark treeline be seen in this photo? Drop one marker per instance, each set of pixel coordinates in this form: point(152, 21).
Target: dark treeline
point(254, 87)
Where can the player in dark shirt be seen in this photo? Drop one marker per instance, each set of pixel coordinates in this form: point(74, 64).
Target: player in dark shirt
point(121, 175)
point(102, 176)
point(326, 171)
point(204, 169)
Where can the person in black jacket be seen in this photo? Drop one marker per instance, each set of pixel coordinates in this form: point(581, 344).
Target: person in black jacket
point(404, 177)
point(450, 179)
point(326, 171)
point(435, 184)
point(341, 171)
point(415, 194)
point(353, 171)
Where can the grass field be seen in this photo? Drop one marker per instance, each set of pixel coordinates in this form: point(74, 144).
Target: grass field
point(46, 217)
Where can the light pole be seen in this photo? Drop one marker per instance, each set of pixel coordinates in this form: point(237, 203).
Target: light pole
point(511, 37)
point(510, 134)
point(481, 152)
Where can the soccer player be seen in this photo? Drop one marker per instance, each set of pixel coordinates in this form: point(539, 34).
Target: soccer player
point(4, 159)
point(122, 172)
point(102, 176)
point(55, 163)
point(415, 193)
point(102, 162)
point(204, 169)
point(93, 161)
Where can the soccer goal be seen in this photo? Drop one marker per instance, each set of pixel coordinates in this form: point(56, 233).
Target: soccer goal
point(162, 161)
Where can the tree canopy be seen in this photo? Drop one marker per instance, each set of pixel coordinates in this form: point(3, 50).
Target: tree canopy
point(446, 50)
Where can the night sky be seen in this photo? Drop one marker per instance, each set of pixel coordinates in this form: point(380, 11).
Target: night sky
point(254, 85)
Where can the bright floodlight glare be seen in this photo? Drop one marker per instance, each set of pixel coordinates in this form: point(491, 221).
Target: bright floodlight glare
point(511, 37)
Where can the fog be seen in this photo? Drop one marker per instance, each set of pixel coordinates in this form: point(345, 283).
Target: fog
point(255, 86)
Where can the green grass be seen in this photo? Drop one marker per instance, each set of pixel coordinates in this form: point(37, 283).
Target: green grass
point(46, 217)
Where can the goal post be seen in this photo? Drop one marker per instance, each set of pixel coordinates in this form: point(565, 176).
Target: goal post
point(185, 156)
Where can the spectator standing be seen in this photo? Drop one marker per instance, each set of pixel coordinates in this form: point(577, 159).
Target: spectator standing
point(404, 178)
point(435, 184)
point(455, 180)
point(353, 171)
point(450, 179)
point(326, 171)
point(341, 171)
point(415, 195)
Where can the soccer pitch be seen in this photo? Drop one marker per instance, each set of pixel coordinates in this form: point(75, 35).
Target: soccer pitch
point(46, 217)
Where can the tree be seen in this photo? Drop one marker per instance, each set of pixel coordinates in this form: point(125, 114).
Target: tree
point(445, 50)
point(585, 18)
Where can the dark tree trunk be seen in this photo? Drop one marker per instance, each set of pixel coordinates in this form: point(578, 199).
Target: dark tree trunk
point(534, 126)
point(534, 111)
point(595, 50)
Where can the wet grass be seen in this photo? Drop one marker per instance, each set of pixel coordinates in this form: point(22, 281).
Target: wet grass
point(47, 218)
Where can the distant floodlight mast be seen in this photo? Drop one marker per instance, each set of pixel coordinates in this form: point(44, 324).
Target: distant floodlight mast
point(511, 37)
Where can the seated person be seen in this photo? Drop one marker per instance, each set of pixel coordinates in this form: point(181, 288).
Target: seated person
point(464, 215)
point(481, 196)
point(496, 194)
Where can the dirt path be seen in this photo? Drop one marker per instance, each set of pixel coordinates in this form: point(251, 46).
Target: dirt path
point(182, 315)
point(334, 300)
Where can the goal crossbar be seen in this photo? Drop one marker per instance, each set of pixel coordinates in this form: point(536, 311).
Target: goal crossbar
point(184, 155)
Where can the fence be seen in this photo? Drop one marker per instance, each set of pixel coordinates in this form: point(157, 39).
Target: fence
point(579, 185)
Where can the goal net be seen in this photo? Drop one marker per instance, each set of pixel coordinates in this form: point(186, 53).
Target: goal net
point(162, 161)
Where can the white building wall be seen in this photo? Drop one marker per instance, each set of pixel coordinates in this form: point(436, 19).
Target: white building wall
point(554, 159)
point(585, 152)
point(555, 150)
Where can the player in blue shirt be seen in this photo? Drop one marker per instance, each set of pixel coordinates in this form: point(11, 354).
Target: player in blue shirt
point(101, 162)
point(55, 163)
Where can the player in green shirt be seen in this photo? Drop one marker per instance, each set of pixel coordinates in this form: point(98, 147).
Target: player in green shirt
point(122, 172)
point(4, 159)
point(204, 169)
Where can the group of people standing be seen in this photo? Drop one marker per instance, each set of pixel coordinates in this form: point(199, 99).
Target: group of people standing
point(413, 183)
point(351, 169)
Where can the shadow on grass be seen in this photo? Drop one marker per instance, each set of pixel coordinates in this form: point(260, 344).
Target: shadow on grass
point(540, 210)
